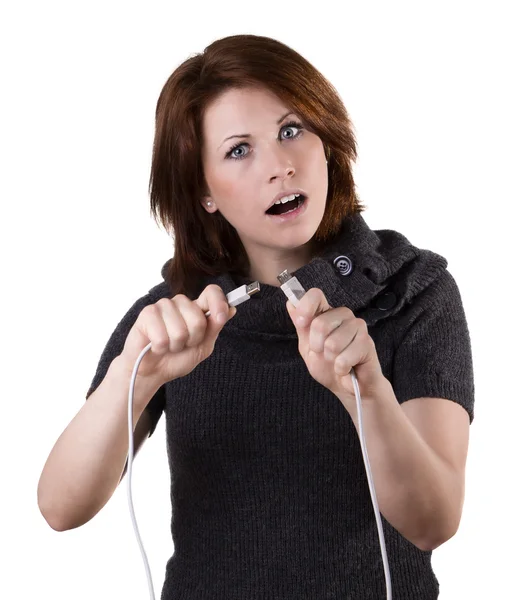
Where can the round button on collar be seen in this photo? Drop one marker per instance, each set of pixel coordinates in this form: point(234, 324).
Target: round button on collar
point(343, 265)
point(386, 301)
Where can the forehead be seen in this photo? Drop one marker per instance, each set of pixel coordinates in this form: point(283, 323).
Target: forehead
point(239, 110)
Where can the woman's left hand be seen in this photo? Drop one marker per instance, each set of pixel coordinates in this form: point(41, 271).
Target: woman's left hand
point(331, 342)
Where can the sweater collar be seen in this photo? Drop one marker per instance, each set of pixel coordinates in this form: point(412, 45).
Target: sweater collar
point(372, 272)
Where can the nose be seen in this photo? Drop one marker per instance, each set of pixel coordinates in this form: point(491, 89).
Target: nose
point(278, 162)
point(288, 172)
point(282, 171)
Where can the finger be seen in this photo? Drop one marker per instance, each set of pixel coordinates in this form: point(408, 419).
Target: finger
point(295, 316)
point(214, 299)
point(172, 320)
point(312, 304)
point(337, 341)
point(329, 330)
point(352, 355)
point(154, 328)
point(192, 316)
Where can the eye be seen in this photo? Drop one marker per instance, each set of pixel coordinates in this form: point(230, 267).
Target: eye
point(291, 124)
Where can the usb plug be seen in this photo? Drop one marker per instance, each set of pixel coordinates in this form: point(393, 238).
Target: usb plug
point(291, 287)
point(240, 294)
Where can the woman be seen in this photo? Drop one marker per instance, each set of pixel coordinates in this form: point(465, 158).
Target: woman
point(268, 486)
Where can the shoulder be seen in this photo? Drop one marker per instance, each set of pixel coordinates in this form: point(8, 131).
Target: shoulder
point(441, 296)
point(160, 290)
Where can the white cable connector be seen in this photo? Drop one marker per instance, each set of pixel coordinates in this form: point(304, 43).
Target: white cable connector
point(240, 294)
point(294, 290)
point(235, 297)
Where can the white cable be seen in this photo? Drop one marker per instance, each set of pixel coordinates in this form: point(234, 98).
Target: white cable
point(235, 297)
point(130, 467)
point(294, 291)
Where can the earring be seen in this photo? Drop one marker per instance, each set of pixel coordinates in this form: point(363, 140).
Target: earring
point(209, 203)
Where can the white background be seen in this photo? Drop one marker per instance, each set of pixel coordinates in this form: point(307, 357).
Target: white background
point(430, 90)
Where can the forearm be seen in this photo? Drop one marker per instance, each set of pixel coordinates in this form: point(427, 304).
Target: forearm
point(85, 464)
point(415, 488)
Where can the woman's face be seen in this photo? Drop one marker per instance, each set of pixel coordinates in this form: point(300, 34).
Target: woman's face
point(244, 175)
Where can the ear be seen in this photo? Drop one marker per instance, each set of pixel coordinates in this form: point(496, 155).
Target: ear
point(208, 204)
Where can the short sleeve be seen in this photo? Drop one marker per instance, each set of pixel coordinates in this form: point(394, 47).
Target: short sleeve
point(114, 347)
point(434, 355)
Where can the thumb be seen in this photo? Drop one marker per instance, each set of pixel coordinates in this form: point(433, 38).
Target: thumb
point(291, 309)
point(215, 327)
point(232, 311)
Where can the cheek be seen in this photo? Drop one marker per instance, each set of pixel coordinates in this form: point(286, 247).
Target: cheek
point(316, 150)
point(222, 186)
point(233, 192)
point(311, 155)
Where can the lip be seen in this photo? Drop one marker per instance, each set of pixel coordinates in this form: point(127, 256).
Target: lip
point(283, 193)
point(291, 215)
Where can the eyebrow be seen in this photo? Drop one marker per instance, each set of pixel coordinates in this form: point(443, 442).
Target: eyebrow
point(247, 135)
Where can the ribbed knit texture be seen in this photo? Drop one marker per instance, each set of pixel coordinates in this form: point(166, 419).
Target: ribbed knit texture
point(270, 499)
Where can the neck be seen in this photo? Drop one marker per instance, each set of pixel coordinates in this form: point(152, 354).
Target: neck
point(266, 272)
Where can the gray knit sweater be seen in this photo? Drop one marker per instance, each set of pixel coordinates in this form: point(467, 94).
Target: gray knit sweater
point(270, 499)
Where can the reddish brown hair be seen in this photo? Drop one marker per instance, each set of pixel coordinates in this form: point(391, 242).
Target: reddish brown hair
point(207, 243)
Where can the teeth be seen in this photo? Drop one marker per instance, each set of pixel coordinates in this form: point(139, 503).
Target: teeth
point(287, 199)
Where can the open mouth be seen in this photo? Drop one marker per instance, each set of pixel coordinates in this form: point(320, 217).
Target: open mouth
point(290, 206)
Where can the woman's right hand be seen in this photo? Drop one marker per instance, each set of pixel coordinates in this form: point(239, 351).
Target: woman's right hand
point(181, 335)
